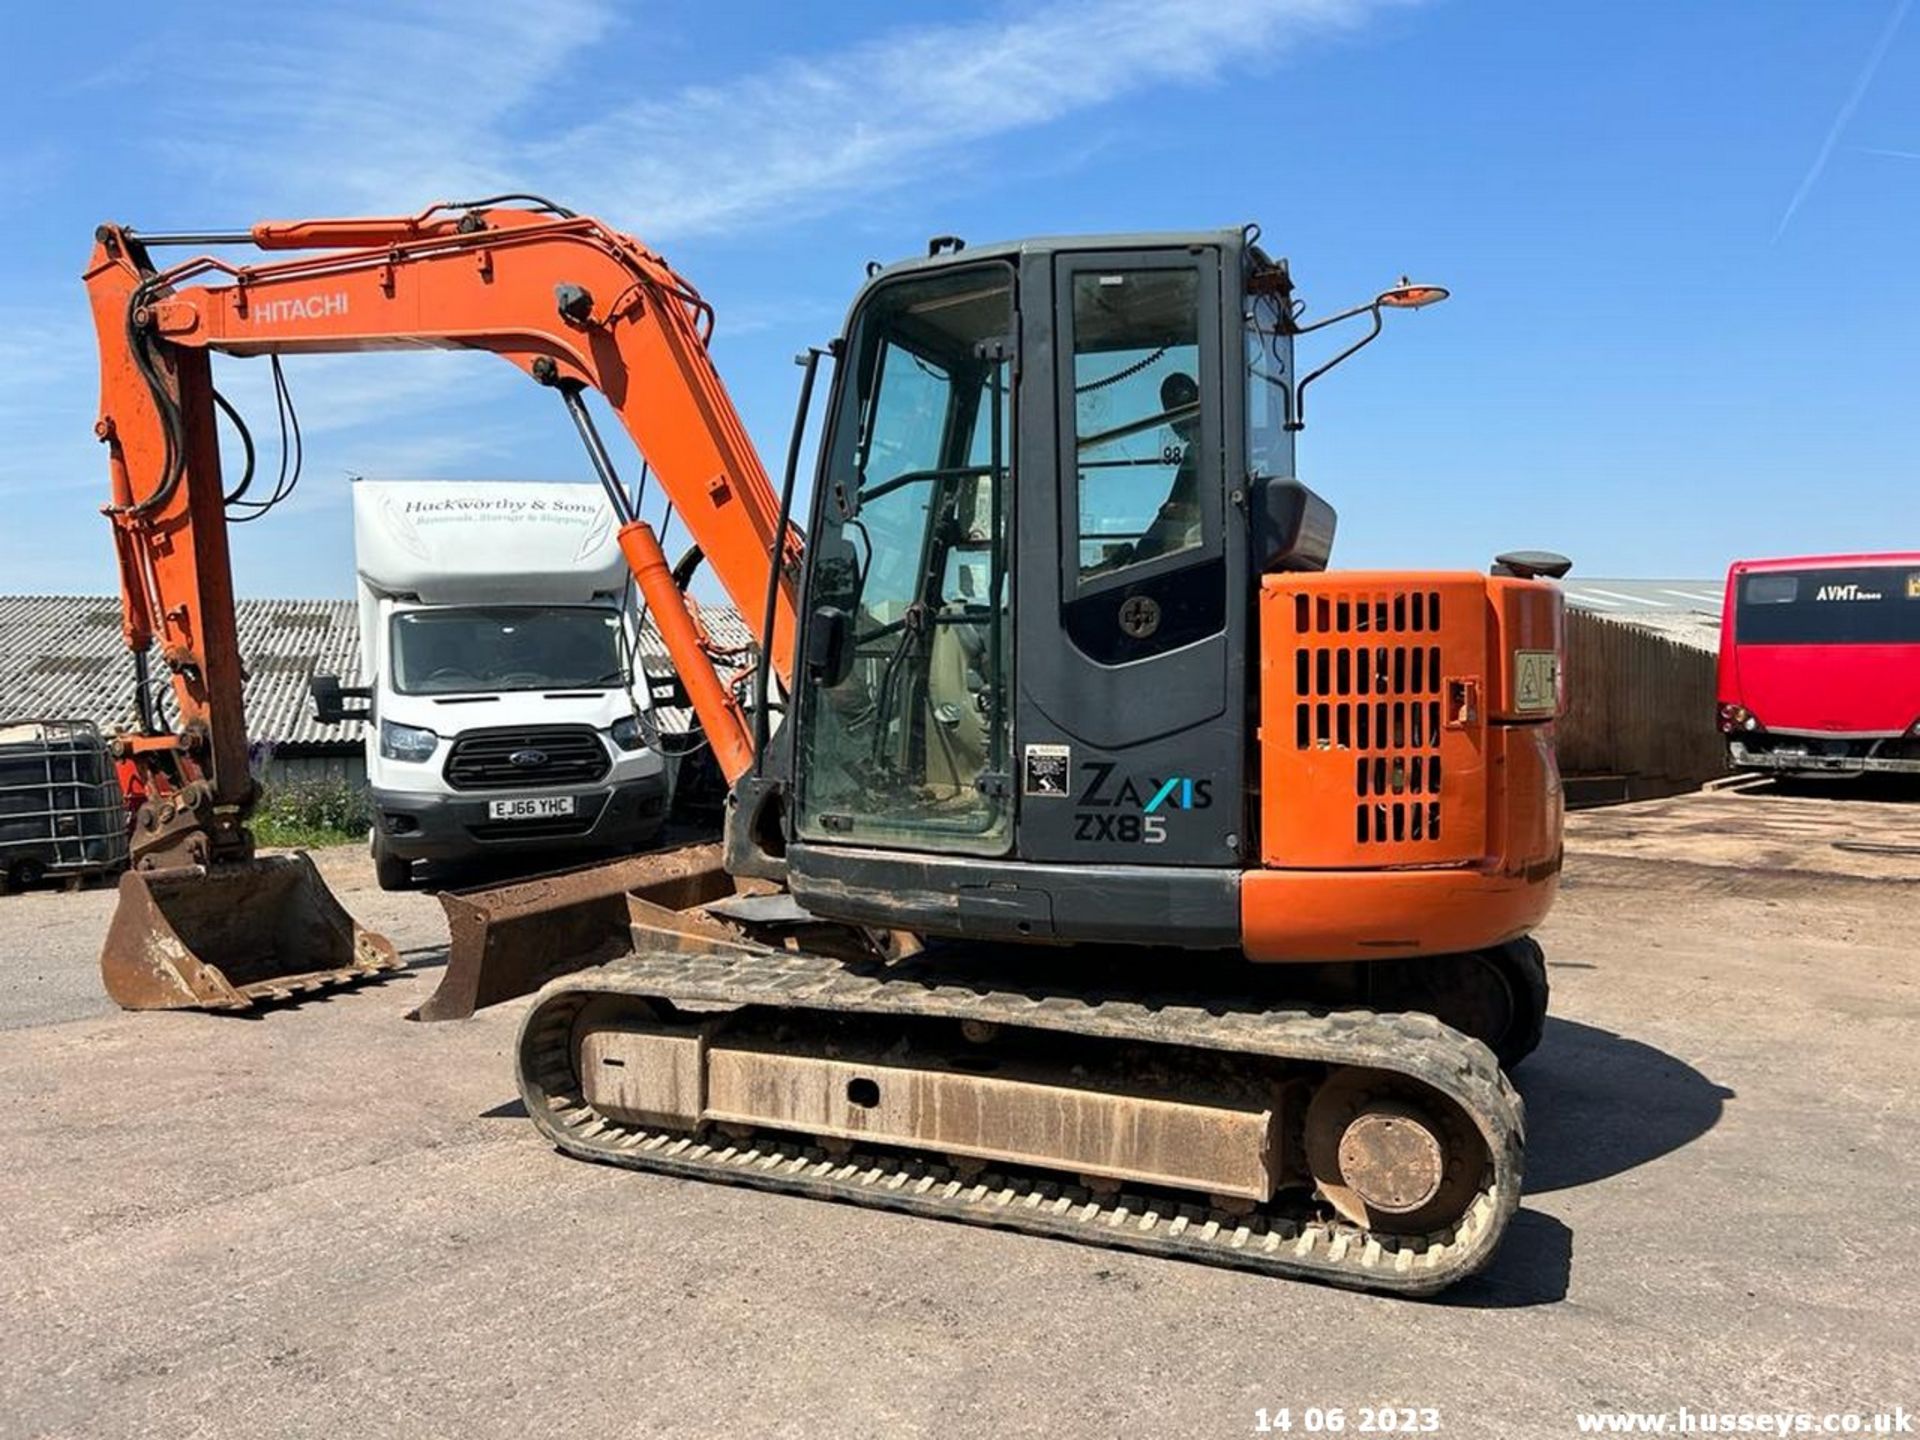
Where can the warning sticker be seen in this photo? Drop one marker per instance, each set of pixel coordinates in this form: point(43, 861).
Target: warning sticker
point(1049, 770)
point(1536, 681)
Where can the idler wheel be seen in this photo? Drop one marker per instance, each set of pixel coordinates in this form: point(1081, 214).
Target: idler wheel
point(1390, 1154)
point(1391, 1159)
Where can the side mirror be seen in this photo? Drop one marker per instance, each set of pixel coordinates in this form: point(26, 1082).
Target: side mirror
point(328, 697)
point(1292, 527)
point(836, 572)
point(829, 653)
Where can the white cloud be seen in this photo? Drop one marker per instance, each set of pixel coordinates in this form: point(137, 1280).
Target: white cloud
point(379, 112)
point(336, 108)
point(343, 109)
point(334, 393)
point(390, 415)
point(810, 133)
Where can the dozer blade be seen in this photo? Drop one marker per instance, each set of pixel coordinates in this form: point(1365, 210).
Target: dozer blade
point(509, 940)
point(227, 937)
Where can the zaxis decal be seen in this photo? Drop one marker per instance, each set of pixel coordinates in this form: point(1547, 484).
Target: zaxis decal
point(1132, 810)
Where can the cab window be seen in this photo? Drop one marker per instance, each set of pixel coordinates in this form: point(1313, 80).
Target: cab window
point(1143, 555)
point(910, 563)
point(1136, 414)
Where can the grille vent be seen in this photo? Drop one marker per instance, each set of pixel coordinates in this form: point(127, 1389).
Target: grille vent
point(1368, 679)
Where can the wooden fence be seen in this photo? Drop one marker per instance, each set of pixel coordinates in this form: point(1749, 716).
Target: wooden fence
point(1639, 706)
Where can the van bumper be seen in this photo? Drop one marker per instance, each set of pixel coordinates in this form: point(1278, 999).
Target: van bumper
point(415, 826)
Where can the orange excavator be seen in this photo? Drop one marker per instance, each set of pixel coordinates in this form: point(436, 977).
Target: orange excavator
point(1097, 863)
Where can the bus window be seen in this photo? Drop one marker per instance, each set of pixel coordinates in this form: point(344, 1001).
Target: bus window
point(1877, 605)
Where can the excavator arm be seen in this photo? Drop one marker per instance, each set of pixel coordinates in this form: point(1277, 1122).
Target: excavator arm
point(573, 303)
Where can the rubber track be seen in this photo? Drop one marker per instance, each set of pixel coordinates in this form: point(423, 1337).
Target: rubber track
point(1268, 1240)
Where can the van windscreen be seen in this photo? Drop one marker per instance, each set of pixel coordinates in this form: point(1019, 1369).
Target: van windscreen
point(470, 650)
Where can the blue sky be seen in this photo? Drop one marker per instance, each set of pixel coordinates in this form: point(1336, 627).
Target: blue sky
point(1683, 239)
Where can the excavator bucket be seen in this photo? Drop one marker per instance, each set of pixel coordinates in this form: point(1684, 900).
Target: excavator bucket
point(510, 940)
point(229, 937)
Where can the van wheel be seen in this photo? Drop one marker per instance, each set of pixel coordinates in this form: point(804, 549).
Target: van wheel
point(390, 871)
point(25, 874)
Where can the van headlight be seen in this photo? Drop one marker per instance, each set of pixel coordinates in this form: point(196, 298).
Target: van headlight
point(407, 742)
point(627, 734)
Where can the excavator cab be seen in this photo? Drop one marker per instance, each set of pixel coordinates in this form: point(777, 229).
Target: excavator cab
point(1028, 642)
point(1072, 668)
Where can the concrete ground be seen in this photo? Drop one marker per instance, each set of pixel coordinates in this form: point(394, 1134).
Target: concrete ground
point(327, 1222)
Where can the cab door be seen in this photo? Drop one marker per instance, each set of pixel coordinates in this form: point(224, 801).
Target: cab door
point(1132, 622)
point(904, 702)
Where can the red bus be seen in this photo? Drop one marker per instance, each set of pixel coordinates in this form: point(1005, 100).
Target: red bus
point(1820, 664)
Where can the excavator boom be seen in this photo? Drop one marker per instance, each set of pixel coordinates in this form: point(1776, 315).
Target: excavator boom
point(574, 304)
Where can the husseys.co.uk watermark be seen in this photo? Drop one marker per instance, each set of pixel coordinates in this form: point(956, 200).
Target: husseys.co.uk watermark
point(1686, 1421)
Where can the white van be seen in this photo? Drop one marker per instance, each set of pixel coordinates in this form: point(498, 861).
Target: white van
point(506, 695)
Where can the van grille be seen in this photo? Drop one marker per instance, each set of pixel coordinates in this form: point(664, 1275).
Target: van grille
point(1372, 681)
point(567, 755)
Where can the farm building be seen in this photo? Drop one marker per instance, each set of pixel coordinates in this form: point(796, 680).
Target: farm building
point(61, 657)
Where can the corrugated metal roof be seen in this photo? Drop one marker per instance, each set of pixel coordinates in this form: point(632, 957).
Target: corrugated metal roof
point(1695, 597)
point(1684, 610)
point(61, 657)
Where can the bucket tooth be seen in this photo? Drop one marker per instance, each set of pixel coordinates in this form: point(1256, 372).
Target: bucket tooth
point(226, 937)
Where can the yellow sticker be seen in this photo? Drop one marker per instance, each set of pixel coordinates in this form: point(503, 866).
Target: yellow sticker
point(1913, 586)
point(1536, 686)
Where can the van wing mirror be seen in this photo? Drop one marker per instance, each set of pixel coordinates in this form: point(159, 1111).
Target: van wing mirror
point(329, 696)
point(668, 693)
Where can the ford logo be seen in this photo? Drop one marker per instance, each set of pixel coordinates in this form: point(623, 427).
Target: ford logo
point(528, 759)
